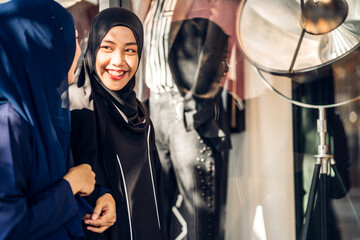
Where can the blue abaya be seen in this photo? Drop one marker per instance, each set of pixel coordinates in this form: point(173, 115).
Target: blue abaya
point(37, 47)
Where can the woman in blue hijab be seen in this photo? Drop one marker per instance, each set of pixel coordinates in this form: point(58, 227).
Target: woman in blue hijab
point(37, 47)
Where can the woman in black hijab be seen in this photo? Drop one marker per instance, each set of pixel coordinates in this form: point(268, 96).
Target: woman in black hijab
point(111, 129)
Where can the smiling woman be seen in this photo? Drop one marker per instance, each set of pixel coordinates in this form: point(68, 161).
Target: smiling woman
point(111, 129)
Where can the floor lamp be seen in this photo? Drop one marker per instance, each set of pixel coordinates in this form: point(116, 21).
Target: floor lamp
point(297, 40)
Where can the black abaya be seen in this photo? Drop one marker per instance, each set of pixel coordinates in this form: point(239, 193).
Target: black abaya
point(112, 132)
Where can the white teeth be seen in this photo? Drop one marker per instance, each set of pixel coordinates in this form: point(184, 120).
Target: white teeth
point(116, 73)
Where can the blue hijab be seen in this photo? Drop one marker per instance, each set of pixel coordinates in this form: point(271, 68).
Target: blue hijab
point(37, 47)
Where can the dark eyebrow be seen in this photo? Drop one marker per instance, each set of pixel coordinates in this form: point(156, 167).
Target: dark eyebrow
point(130, 43)
point(127, 44)
point(108, 41)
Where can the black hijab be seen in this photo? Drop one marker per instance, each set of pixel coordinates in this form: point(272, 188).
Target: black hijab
point(124, 99)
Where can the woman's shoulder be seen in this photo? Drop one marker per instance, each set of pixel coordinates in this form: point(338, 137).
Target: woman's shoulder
point(10, 116)
point(13, 123)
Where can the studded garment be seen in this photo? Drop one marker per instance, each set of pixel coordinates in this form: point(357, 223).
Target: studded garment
point(195, 174)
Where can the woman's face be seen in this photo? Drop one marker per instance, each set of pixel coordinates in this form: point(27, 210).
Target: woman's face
point(76, 58)
point(117, 58)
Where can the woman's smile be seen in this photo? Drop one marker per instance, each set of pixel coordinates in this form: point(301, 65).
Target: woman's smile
point(116, 74)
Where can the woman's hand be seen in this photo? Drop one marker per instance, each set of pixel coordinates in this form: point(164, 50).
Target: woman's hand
point(104, 215)
point(81, 179)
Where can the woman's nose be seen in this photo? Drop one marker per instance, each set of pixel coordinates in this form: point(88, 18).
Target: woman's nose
point(117, 58)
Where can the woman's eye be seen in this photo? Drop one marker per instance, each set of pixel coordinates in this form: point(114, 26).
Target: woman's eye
point(130, 50)
point(105, 47)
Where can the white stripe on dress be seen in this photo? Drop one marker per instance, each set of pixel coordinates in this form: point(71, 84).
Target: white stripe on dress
point(126, 196)
point(152, 178)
